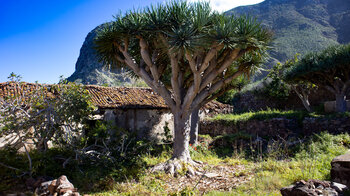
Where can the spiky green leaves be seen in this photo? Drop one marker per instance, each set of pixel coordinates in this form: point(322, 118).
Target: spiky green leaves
point(186, 26)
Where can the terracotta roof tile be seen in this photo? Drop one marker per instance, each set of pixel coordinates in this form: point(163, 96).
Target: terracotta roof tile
point(102, 97)
point(110, 97)
point(123, 97)
point(23, 89)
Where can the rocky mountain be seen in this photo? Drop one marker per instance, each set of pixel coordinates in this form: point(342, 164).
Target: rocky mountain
point(88, 70)
point(299, 26)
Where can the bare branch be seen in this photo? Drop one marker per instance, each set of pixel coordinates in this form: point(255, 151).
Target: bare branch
point(7, 166)
point(207, 92)
point(211, 76)
point(156, 85)
point(345, 87)
point(210, 55)
point(175, 79)
point(147, 58)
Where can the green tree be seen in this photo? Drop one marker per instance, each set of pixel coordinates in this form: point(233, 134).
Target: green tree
point(329, 68)
point(279, 86)
point(186, 53)
point(44, 113)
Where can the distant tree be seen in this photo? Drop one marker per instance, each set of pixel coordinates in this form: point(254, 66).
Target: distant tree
point(186, 53)
point(329, 68)
point(14, 77)
point(280, 86)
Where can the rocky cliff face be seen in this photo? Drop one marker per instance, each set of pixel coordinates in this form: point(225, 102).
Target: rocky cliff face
point(299, 26)
point(88, 70)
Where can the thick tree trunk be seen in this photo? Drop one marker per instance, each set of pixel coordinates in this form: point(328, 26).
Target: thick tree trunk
point(194, 127)
point(181, 139)
point(340, 103)
point(181, 152)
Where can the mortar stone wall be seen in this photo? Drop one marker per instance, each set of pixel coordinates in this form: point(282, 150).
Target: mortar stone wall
point(146, 123)
point(276, 127)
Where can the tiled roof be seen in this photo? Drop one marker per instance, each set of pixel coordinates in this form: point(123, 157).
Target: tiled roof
point(110, 97)
point(23, 89)
point(102, 97)
point(122, 97)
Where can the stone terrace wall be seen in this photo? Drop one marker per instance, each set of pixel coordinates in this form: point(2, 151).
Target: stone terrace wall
point(250, 101)
point(339, 125)
point(276, 127)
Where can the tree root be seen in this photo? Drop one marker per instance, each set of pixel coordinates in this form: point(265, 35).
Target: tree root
point(175, 167)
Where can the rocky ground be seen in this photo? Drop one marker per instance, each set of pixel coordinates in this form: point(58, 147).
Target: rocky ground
point(221, 177)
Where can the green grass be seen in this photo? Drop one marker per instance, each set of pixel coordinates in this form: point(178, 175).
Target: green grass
point(273, 113)
point(261, 115)
point(310, 160)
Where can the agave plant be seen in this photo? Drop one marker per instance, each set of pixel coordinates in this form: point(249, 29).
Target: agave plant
point(185, 52)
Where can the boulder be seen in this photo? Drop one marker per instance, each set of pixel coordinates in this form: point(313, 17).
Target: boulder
point(60, 186)
point(314, 188)
point(340, 171)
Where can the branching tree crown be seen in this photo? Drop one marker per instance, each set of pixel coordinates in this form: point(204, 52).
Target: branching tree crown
point(185, 52)
point(329, 68)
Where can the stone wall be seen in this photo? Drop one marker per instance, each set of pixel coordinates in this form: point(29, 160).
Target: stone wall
point(336, 125)
point(147, 123)
point(276, 127)
point(255, 101)
point(329, 106)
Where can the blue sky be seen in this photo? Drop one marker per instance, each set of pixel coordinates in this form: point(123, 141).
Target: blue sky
point(40, 39)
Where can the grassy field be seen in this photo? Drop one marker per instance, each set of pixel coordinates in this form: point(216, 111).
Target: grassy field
point(273, 113)
point(266, 176)
point(231, 164)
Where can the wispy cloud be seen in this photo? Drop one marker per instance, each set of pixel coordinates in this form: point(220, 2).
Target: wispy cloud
point(224, 5)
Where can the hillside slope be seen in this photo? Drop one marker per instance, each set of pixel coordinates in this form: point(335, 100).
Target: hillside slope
point(300, 26)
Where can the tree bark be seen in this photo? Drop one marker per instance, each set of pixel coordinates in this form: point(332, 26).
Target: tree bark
point(304, 97)
point(340, 103)
point(306, 104)
point(194, 127)
point(181, 139)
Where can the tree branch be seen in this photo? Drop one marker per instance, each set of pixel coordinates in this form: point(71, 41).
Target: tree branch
point(175, 78)
point(228, 61)
point(331, 89)
point(207, 92)
point(141, 72)
point(147, 58)
point(4, 165)
point(210, 55)
point(345, 87)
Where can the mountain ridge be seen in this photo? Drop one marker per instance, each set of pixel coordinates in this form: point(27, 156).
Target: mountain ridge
point(299, 26)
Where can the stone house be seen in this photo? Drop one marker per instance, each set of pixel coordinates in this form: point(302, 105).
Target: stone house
point(135, 109)
point(140, 110)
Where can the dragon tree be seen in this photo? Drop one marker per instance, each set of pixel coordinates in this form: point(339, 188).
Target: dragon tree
point(329, 68)
point(186, 53)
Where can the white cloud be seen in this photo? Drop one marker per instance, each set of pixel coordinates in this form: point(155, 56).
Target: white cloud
point(224, 5)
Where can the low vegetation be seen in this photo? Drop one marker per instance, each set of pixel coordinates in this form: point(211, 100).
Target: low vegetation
point(246, 171)
point(262, 115)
